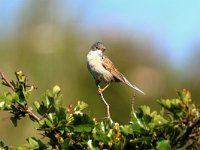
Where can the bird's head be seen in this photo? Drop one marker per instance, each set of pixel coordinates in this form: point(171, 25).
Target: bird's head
point(98, 46)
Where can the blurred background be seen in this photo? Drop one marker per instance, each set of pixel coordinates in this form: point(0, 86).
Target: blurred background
point(154, 43)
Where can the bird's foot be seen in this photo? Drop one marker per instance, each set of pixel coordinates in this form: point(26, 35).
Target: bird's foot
point(100, 91)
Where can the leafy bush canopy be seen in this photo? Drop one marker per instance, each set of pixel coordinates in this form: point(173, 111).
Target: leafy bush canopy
point(177, 125)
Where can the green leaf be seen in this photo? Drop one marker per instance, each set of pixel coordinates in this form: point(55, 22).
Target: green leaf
point(137, 124)
point(20, 76)
point(56, 90)
point(26, 95)
point(103, 131)
point(185, 95)
point(91, 146)
point(163, 145)
point(175, 106)
point(48, 123)
point(22, 101)
point(64, 144)
point(46, 102)
point(50, 116)
point(45, 123)
point(22, 148)
point(3, 146)
point(37, 105)
point(83, 128)
point(58, 100)
point(2, 105)
point(144, 115)
point(80, 106)
point(127, 130)
point(145, 109)
point(158, 120)
point(60, 113)
point(14, 121)
point(83, 123)
point(35, 143)
point(7, 97)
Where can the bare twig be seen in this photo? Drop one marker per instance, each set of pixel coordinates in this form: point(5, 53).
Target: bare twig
point(32, 115)
point(7, 81)
point(132, 102)
point(107, 105)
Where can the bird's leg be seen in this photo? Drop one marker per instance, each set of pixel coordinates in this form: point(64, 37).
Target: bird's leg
point(100, 90)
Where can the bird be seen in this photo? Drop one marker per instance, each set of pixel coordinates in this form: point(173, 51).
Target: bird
point(103, 70)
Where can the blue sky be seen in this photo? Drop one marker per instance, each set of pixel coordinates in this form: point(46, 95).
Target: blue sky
point(9, 11)
point(175, 25)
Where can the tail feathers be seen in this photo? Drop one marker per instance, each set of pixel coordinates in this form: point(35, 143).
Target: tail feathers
point(133, 86)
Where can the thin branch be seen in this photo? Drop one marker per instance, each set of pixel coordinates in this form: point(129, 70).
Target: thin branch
point(187, 133)
point(31, 114)
point(27, 109)
point(7, 81)
point(132, 102)
point(107, 105)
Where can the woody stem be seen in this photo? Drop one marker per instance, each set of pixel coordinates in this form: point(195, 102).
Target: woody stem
point(104, 101)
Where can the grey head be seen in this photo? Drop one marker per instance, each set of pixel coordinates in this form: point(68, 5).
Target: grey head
point(98, 46)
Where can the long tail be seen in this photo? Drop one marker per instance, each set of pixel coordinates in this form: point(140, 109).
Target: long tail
point(133, 86)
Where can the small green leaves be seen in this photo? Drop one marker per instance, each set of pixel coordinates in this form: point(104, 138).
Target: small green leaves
point(45, 124)
point(5, 101)
point(36, 104)
point(175, 126)
point(173, 105)
point(56, 90)
point(3, 146)
point(163, 145)
point(82, 123)
point(20, 76)
point(185, 96)
point(34, 143)
point(91, 146)
point(80, 106)
point(179, 107)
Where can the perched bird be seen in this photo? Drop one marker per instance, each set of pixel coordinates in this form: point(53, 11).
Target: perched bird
point(103, 70)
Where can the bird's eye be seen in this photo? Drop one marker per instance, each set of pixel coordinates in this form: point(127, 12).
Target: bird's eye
point(96, 47)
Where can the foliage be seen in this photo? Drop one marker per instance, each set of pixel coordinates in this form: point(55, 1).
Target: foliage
point(177, 125)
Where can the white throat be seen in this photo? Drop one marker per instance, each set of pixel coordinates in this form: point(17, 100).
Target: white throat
point(95, 56)
point(96, 53)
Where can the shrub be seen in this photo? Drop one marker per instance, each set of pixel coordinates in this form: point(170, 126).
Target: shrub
point(176, 125)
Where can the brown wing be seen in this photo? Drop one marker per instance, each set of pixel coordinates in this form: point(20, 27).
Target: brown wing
point(108, 65)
